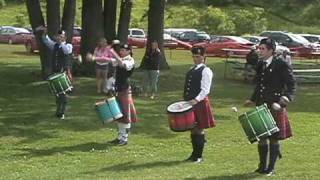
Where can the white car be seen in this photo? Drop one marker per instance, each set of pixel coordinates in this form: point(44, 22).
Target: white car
point(136, 33)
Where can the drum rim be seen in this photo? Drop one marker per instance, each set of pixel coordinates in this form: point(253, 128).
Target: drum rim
point(55, 75)
point(187, 110)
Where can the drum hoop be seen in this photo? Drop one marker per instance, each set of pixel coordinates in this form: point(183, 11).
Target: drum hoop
point(187, 110)
point(55, 75)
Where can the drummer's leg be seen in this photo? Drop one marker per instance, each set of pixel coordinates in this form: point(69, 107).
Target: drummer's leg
point(197, 135)
point(263, 148)
point(274, 154)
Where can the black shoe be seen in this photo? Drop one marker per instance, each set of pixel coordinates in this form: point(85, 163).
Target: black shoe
point(122, 143)
point(270, 173)
point(198, 160)
point(115, 141)
point(190, 158)
point(261, 171)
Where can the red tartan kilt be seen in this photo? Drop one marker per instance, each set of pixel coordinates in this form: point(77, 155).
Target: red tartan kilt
point(204, 114)
point(127, 107)
point(283, 123)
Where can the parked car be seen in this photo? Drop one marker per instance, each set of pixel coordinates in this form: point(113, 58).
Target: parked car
point(137, 42)
point(222, 46)
point(136, 33)
point(32, 46)
point(169, 41)
point(256, 39)
point(194, 37)
point(175, 32)
point(313, 38)
point(13, 35)
point(297, 44)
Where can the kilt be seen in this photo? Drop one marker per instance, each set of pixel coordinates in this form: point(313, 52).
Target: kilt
point(127, 107)
point(282, 121)
point(204, 114)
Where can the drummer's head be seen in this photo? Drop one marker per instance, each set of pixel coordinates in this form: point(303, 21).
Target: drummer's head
point(125, 50)
point(198, 54)
point(267, 48)
point(61, 36)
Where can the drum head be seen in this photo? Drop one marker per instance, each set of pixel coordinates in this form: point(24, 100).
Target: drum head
point(179, 107)
point(54, 76)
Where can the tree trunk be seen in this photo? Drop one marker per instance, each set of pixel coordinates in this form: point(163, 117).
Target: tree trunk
point(36, 19)
point(69, 12)
point(110, 17)
point(53, 17)
point(124, 20)
point(91, 29)
point(155, 29)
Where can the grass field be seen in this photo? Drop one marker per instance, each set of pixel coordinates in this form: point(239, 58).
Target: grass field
point(35, 145)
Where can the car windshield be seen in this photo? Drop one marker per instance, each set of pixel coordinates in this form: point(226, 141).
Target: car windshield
point(299, 38)
point(21, 30)
point(203, 36)
point(239, 39)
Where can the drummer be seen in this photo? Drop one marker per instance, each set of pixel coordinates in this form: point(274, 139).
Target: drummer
point(124, 69)
point(274, 84)
point(196, 89)
point(60, 62)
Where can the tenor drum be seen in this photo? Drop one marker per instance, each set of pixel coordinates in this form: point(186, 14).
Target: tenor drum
point(181, 116)
point(258, 123)
point(59, 83)
point(108, 110)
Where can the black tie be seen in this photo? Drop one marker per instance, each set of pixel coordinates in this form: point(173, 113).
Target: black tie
point(264, 66)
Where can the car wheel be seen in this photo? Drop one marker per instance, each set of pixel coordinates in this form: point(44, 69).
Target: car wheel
point(29, 47)
point(10, 41)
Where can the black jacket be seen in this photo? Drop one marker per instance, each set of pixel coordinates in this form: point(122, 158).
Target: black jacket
point(273, 82)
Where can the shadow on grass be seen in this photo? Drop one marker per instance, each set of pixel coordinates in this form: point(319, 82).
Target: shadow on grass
point(87, 147)
point(130, 166)
point(251, 175)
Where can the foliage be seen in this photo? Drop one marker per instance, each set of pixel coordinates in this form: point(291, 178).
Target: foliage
point(216, 21)
point(2, 3)
point(182, 17)
point(248, 21)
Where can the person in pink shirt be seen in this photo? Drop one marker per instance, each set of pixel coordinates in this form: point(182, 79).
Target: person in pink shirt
point(103, 56)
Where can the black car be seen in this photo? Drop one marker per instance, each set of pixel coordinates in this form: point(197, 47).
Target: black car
point(194, 37)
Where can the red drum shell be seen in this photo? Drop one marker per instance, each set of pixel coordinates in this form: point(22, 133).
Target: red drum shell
point(182, 121)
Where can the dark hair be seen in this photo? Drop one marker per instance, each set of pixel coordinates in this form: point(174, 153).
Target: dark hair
point(270, 43)
point(199, 50)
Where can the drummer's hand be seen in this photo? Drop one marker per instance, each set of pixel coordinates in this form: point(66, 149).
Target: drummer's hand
point(193, 102)
point(248, 103)
point(89, 57)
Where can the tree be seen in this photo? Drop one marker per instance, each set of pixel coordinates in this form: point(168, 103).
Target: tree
point(68, 18)
point(155, 29)
point(36, 19)
point(124, 20)
point(91, 25)
point(110, 17)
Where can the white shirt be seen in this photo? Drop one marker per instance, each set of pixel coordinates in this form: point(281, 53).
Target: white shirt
point(206, 81)
point(128, 62)
point(269, 60)
point(66, 47)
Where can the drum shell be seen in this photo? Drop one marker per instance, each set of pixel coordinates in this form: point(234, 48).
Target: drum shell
point(258, 123)
point(109, 110)
point(181, 121)
point(59, 83)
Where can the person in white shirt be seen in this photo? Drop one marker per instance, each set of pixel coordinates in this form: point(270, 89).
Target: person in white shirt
point(60, 62)
point(124, 69)
point(196, 89)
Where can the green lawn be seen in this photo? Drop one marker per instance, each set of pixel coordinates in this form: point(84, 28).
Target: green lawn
point(35, 145)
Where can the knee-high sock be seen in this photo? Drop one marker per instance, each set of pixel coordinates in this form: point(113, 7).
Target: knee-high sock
point(263, 155)
point(193, 142)
point(199, 145)
point(274, 154)
point(123, 131)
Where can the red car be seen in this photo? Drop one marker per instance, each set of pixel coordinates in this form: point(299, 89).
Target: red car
point(13, 35)
point(222, 46)
point(137, 42)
